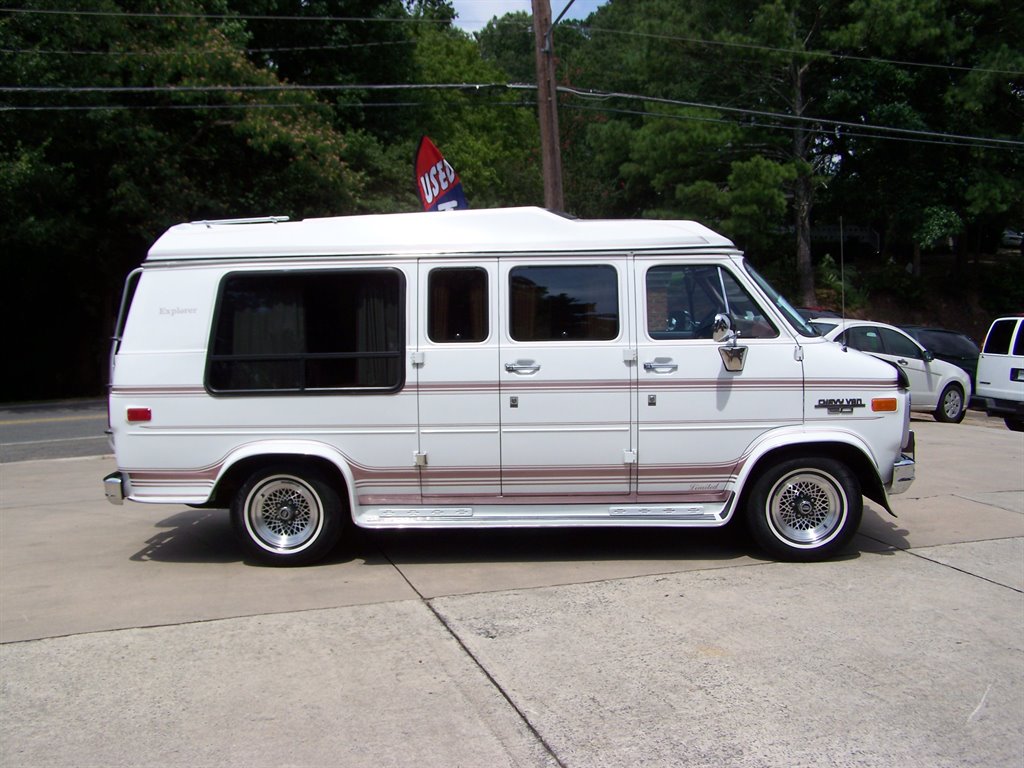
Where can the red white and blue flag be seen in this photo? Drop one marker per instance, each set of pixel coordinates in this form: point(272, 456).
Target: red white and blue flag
point(436, 180)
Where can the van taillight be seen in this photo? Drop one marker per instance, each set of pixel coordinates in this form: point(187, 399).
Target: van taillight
point(139, 414)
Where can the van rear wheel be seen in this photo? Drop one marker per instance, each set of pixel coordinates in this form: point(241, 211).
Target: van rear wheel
point(287, 515)
point(804, 509)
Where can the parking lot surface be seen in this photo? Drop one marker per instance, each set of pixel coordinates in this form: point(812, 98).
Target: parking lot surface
point(138, 635)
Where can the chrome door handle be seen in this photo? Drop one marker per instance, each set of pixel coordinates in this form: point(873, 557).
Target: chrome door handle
point(522, 367)
point(656, 366)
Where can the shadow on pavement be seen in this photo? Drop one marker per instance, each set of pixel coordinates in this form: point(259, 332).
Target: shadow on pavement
point(206, 536)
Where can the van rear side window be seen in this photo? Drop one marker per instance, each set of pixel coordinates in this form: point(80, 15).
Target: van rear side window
point(293, 332)
point(998, 341)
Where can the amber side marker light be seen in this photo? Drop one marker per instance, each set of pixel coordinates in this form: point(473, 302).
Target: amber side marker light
point(139, 414)
point(884, 404)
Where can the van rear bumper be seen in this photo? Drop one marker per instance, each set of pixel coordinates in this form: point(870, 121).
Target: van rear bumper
point(113, 486)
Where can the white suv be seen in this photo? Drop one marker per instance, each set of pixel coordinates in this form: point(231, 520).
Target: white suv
point(1001, 371)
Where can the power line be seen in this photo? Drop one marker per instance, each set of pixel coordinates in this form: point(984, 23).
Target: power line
point(221, 16)
point(603, 95)
point(61, 89)
point(747, 125)
point(796, 51)
point(192, 51)
point(579, 27)
point(813, 122)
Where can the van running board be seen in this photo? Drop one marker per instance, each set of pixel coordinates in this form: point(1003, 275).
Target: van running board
point(527, 515)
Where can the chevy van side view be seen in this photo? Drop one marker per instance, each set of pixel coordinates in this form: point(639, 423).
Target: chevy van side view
point(490, 368)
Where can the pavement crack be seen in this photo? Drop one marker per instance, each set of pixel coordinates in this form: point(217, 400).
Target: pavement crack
point(523, 717)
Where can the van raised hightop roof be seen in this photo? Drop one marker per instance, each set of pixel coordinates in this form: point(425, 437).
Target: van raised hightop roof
point(507, 230)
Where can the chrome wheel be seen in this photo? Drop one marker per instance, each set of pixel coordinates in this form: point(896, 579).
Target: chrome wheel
point(283, 514)
point(806, 508)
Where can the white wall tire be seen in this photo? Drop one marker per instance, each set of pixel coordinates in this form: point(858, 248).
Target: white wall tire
point(287, 515)
point(804, 509)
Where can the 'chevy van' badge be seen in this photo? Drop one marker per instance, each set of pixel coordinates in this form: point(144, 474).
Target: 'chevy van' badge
point(840, 404)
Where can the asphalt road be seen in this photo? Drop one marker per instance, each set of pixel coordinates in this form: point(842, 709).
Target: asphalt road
point(138, 635)
point(53, 430)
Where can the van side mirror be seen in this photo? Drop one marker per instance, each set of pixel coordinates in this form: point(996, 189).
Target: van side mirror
point(721, 329)
point(928, 356)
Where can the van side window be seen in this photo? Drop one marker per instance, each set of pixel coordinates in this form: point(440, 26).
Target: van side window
point(564, 303)
point(998, 341)
point(682, 301)
point(308, 331)
point(457, 304)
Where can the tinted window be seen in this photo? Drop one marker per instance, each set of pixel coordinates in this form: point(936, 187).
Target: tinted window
point(564, 303)
point(457, 305)
point(898, 344)
point(682, 302)
point(999, 335)
point(1018, 345)
point(294, 332)
point(947, 343)
point(864, 337)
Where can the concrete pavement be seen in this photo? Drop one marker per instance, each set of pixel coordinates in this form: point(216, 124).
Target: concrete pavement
point(138, 636)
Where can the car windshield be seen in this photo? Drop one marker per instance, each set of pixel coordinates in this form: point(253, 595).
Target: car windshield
point(794, 318)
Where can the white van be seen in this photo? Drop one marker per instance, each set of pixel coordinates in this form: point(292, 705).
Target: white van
point(1001, 371)
point(490, 368)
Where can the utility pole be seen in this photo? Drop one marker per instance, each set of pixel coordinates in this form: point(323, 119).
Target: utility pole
point(547, 105)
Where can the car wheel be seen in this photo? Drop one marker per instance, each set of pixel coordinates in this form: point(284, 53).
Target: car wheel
point(1015, 423)
point(287, 515)
point(804, 509)
point(952, 407)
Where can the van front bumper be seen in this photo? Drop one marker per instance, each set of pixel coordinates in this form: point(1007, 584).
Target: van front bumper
point(902, 475)
point(113, 486)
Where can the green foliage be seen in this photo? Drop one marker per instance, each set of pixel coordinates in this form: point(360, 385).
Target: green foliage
point(839, 285)
point(85, 187)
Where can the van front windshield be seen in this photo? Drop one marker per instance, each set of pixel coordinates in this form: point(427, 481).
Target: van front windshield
point(794, 318)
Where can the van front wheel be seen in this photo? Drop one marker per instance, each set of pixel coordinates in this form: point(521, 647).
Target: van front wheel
point(287, 515)
point(804, 509)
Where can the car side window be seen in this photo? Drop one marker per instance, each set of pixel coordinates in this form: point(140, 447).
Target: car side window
point(682, 301)
point(864, 337)
point(898, 344)
point(1018, 345)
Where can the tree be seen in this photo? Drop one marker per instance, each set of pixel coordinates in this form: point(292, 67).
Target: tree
point(89, 178)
